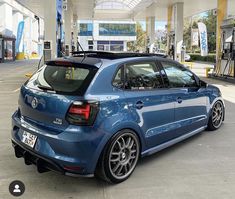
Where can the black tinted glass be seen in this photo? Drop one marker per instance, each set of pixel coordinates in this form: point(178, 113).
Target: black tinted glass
point(63, 79)
point(178, 76)
point(141, 76)
point(118, 80)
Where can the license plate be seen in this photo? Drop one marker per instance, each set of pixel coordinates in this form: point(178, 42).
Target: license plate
point(29, 139)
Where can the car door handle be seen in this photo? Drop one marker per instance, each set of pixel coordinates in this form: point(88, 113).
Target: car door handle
point(139, 105)
point(179, 100)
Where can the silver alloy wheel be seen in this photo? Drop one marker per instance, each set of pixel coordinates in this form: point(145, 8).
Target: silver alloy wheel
point(123, 155)
point(217, 114)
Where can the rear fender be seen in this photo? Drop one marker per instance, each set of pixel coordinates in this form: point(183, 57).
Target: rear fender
point(110, 133)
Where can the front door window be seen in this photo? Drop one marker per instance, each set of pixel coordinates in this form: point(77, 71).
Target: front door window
point(178, 76)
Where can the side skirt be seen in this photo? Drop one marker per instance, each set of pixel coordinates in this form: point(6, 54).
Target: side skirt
point(172, 142)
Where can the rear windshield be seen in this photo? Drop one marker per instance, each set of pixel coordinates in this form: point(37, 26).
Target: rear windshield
point(63, 79)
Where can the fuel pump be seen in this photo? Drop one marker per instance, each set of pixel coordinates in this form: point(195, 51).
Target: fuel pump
point(171, 45)
point(66, 50)
point(228, 49)
point(47, 50)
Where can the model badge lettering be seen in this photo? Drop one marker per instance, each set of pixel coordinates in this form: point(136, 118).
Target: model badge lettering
point(58, 121)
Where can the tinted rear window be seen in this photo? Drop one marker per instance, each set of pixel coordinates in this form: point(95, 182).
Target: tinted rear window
point(63, 79)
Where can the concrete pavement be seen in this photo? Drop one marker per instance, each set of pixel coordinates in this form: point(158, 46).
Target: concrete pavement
point(202, 167)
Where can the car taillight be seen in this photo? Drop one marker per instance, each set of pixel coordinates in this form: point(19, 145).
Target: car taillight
point(82, 113)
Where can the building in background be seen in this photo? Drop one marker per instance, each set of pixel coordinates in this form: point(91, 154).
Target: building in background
point(106, 35)
point(21, 32)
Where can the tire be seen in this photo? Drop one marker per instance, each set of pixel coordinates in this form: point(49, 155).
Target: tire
point(216, 117)
point(119, 157)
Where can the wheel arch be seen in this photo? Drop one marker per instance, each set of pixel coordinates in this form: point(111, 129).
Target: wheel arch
point(213, 103)
point(210, 125)
point(109, 138)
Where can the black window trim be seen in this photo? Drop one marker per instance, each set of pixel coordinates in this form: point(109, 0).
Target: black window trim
point(121, 66)
point(160, 68)
point(156, 67)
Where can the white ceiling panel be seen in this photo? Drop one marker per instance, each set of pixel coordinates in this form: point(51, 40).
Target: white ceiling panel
point(138, 9)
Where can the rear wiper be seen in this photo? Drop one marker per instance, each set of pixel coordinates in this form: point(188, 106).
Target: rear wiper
point(47, 88)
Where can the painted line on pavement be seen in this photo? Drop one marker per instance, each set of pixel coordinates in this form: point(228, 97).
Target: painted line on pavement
point(16, 90)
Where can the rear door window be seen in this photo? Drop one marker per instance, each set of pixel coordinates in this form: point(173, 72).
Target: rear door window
point(138, 76)
point(142, 76)
point(63, 79)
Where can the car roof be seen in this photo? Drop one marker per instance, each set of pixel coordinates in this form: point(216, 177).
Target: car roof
point(112, 55)
point(103, 58)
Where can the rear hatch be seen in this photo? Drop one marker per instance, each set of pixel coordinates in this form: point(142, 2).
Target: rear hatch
point(46, 97)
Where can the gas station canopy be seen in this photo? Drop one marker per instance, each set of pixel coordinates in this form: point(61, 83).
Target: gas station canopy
point(125, 9)
point(150, 11)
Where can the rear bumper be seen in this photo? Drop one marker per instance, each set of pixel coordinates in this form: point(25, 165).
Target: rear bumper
point(43, 164)
point(73, 152)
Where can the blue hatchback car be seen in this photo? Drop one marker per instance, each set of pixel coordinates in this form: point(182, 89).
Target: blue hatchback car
point(97, 113)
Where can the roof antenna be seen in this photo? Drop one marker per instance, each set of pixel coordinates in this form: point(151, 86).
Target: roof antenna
point(84, 52)
point(80, 46)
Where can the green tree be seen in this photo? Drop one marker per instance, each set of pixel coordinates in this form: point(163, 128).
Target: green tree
point(141, 40)
point(187, 33)
point(210, 21)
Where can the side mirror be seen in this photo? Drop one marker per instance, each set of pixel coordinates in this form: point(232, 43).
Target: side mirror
point(202, 84)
